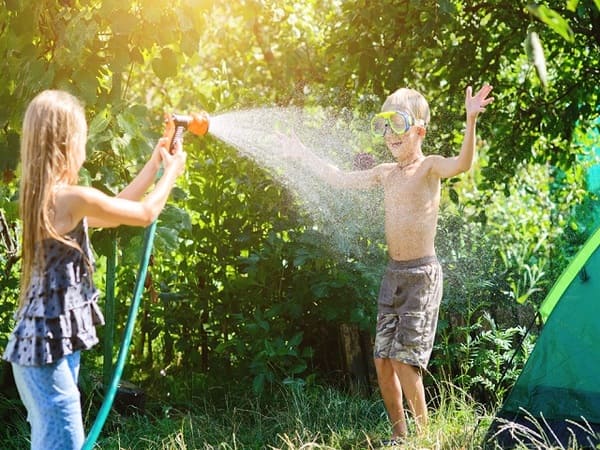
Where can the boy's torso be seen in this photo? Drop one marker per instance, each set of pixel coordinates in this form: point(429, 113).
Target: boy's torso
point(411, 201)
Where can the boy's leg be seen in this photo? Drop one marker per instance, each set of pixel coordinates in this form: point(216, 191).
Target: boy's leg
point(391, 391)
point(411, 380)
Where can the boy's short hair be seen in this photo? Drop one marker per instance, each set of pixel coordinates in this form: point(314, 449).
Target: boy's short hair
point(409, 100)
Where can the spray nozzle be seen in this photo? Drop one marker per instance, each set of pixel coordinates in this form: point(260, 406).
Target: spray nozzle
point(196, 123)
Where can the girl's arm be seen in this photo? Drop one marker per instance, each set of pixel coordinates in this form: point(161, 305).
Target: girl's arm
point(140, 184)
point(105, 211)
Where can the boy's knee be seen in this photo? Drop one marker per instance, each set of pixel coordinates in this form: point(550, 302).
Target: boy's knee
point(384, 368)
point(405, 368)
point(381, 362)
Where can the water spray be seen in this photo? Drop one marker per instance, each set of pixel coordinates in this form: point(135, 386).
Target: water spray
point(195, 123)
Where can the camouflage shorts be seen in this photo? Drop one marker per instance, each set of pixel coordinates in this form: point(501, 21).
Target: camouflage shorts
point(408, 306)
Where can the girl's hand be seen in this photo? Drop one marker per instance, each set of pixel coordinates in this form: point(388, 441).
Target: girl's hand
point(476, 104)
point(174, 162)
point(169, 126)
point(156, 158)
point(164, 141)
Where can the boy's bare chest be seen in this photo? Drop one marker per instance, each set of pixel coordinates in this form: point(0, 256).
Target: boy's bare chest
point(407, 182)
point(409, 192)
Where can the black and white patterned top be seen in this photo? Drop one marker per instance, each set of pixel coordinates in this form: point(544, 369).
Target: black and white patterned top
point(61, 312)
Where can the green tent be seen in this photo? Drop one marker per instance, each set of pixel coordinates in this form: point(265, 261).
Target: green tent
point(556, 398)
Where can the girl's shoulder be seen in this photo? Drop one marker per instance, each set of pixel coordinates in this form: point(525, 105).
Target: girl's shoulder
point(70, 205)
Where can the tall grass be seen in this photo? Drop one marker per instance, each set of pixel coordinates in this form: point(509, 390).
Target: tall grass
point(292, 418)
point(297, 417)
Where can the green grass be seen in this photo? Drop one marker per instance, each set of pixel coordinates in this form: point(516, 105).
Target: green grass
point(315, 418)
point(292, 418)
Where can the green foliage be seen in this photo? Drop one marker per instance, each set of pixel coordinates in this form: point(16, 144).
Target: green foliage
point(9, 257)
point(476, 328)
point(554, 20)
point(487, 358)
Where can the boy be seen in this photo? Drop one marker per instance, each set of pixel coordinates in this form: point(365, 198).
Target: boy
point(411, 289)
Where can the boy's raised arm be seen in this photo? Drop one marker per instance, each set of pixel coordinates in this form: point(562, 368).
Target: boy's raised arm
point(474, 105)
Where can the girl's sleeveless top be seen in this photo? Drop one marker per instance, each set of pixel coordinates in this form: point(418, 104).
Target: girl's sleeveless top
point(61, 312)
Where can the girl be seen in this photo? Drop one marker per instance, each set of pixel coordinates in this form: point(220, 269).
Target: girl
point(58, 308)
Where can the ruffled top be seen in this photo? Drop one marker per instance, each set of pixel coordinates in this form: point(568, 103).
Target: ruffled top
point(61, 312)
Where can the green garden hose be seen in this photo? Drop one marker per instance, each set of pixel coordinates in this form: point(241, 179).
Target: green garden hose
point(123, 350)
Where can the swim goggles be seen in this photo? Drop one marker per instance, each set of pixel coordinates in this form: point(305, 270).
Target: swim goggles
point(398, 122)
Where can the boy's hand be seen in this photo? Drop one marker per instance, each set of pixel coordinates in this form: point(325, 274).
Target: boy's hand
point(476, 104)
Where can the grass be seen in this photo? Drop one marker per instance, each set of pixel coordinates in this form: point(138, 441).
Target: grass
point(292, 418)
point(315, 418)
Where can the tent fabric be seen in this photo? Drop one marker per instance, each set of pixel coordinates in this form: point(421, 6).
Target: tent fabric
point(559, 386)
point(574, 269)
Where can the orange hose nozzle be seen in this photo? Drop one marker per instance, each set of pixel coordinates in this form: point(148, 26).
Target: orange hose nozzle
point(196, 123)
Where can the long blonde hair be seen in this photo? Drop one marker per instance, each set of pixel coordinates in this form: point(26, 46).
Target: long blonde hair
point(52, 142)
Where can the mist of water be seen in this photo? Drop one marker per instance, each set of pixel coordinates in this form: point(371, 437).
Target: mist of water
point(346, 217)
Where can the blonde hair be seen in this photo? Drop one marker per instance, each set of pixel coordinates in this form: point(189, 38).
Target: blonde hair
point(409, 100)
point(52, 142)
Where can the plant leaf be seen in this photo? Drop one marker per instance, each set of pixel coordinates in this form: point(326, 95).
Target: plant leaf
point(554, 20)
point(572, 5)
